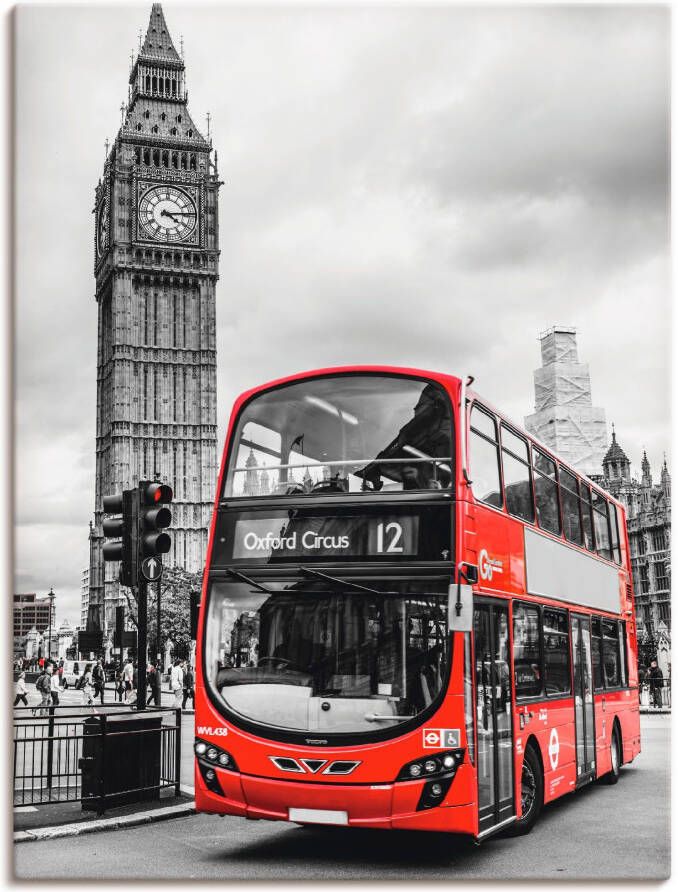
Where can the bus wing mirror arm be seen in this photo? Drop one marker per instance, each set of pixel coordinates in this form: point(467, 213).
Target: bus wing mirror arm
point(460, 599)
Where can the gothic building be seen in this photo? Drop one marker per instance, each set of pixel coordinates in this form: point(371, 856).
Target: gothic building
point(648, 516)
point(156, 252)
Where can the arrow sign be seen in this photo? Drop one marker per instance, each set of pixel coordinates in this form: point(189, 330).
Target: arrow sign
point(151, 569)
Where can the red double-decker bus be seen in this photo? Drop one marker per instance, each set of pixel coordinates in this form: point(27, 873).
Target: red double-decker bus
point(414, 615)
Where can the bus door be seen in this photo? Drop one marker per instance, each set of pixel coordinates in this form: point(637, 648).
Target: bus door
point(493, 715)
point(583, 699)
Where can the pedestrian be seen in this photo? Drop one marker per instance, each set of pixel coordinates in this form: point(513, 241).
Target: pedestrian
point(43, 687)
point(177, 683)
point(86, 685)
point(153, 681)
point(99, 680)
point(20, 690)
point(189, 690)
point(128, 678)
point(119, 684)
point(656, 677)
point(54, 683)
point(60, 673)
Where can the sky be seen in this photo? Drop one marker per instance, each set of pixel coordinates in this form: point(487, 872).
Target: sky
point(408, 185)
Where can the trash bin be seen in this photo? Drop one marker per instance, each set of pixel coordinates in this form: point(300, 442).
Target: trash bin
point(120, 761)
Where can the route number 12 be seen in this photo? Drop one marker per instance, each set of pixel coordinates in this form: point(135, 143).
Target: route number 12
point(393, 534)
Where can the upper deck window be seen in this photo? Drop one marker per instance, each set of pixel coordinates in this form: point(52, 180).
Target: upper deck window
point(517, 477)
point(600, 523)
point(341, 434)
point(485, 457)
point(569, 496)
point(546, 492)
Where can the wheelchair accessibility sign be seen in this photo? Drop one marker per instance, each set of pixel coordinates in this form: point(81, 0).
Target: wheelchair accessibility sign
point(440, 738)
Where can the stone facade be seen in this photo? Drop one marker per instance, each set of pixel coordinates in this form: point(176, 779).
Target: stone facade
point(565, 418)
point(648, 519)
point(156, 246)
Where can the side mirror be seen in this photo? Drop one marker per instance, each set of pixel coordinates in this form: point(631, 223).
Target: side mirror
point(469, 573)
point(460, 607)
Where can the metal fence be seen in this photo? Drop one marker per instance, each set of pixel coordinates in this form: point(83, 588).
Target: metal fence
point(655, 695)
point(100, 756)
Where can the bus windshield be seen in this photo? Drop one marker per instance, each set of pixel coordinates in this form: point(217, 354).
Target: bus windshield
point(344, 433)
point(309, 657)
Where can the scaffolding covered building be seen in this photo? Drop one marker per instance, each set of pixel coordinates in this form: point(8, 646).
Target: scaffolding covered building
point(565, 418)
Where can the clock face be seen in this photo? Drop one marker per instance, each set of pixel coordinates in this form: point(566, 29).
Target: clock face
point(167, 214)
point(102, 227)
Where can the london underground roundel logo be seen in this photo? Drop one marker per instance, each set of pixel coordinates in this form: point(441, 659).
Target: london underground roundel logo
point(554, 748)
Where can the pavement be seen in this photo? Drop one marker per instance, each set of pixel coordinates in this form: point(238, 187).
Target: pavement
point(600, 833)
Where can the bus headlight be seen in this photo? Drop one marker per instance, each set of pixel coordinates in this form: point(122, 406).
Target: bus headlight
point(434, 766)
point(208, 754)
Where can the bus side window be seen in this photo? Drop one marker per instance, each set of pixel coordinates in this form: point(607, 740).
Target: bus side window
point(526, 650)
point(569, 495)
point(597, 653)
point(587, 523)
point(556, 634)
point(546, 492)
point(600, 522)
point(517, 476)
point(623, 660)
point(485, 458)
point(611, 662)
point(614, 532)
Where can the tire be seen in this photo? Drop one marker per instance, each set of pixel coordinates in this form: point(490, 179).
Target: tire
point(65, 686)
point(612, 775)
point(531, 794)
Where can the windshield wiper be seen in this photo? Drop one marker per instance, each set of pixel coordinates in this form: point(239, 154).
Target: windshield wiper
point(362, 588)
point(241, 576)
point(378, 717)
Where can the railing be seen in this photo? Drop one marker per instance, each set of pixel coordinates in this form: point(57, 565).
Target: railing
point(655, 695)
point(100, 756)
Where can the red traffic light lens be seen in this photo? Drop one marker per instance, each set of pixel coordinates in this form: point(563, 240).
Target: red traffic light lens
point(157, 492)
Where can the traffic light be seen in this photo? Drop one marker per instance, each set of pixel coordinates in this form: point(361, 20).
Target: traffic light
point(154, 517)
point(123, 528)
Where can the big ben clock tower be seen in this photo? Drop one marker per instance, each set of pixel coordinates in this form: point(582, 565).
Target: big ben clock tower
point(156, 249)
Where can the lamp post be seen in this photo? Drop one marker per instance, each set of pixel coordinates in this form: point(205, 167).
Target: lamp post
point(51, 597)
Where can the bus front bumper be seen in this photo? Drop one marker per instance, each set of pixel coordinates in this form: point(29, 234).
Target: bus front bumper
point(379, 806)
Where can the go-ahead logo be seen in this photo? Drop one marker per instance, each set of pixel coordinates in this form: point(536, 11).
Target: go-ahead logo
point(487, 566)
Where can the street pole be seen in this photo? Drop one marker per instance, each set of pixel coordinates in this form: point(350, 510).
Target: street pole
point(158, 645)
point(142, 633)
point(51, 610)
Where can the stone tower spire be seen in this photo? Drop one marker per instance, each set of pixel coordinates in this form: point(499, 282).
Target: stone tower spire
point(616, 465)
point(647, 473)
point(666, 480)
point(158, 43)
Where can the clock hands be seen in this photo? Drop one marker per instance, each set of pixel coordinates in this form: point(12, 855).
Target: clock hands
point(172, 216)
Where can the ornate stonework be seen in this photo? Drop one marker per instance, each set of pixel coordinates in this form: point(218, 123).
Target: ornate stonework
point(648, 519)
point(156, 253)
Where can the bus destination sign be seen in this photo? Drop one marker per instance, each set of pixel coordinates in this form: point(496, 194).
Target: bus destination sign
point(307, 535)
point(325, 537)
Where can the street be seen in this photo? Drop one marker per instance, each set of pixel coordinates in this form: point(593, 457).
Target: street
point(600, 832)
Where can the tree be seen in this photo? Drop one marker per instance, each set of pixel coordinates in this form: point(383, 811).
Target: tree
point(176, 585)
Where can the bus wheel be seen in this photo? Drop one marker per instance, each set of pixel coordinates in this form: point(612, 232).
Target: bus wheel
point(615, 759)
point(531, 794)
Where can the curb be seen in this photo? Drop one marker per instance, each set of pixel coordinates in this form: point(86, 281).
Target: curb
point(122, 823)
